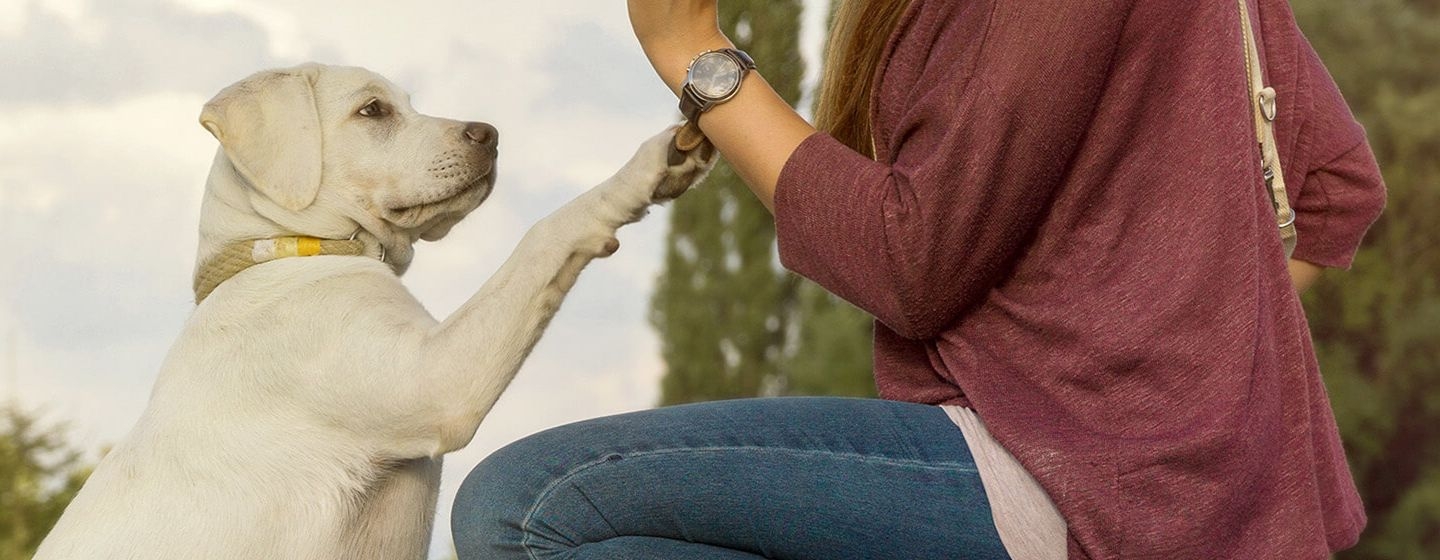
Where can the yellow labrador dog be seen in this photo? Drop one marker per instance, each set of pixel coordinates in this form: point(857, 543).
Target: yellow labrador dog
point(303, 412)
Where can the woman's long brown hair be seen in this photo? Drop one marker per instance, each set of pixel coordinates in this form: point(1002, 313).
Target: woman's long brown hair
point(858, 35)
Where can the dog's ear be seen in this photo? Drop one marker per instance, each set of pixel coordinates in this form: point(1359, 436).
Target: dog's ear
point(269, 126)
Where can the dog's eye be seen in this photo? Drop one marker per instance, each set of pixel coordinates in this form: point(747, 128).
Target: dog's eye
point(373, 109)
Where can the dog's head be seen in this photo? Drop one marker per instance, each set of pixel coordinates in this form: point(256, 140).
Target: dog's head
point(348, 138)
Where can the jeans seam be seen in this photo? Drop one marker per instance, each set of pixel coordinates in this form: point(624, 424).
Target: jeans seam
point(598, 513)
point(811, 452)
point(572, 473)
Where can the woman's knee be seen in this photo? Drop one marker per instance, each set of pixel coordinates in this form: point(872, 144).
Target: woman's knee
point(490, 505)
point(488, 518)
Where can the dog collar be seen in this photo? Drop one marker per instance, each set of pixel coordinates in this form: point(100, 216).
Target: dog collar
point(238, 256)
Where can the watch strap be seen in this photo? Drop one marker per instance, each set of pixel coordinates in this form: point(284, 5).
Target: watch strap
point(746, 63)
point(690, 104)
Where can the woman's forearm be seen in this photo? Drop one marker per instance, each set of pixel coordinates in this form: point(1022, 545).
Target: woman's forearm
point(756, 132)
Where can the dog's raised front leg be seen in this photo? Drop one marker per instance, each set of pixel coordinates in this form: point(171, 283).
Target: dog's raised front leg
point(470, 358)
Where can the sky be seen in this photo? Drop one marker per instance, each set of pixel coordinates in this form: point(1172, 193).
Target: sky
point(103, 164)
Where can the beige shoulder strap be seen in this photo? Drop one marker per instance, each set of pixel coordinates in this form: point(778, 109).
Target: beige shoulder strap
point(1264, 107)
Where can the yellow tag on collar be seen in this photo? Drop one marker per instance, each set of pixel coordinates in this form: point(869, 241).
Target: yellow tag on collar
point(280, 247)
point(307, 246)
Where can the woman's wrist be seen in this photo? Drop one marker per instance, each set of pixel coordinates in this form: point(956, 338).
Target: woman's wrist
point(672, 32)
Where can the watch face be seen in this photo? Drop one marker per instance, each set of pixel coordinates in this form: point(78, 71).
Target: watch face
point(715, 75)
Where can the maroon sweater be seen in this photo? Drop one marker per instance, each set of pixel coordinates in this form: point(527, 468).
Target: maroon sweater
point(1067, 230)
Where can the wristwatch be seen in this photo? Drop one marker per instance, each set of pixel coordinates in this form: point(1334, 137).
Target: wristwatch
point(713, 77)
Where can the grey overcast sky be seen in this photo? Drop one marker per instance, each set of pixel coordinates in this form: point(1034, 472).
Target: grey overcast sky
point(102, 167)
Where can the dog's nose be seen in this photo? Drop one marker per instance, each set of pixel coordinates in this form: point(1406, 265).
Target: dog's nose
point(482, 134)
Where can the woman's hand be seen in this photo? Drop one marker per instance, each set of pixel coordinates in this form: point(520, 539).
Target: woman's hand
point(1303, 274)
point(672, 32)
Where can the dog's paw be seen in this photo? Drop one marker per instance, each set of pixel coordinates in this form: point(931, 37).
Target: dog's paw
point(684, 168)
point(650, 178)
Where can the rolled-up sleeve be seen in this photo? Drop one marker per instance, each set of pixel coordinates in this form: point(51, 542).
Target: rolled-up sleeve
point(1343, 192)
point(1339, 202)
point(979, 147)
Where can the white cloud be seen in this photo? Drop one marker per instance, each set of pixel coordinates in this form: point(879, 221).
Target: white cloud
point(281, 26)
point(108, 50)
point(103, 202)
point(13, 14)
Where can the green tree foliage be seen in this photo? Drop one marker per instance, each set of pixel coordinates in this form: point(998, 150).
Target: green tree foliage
point(1377, 327)
point(831, 353)
point(732, 322)
point(39, 475)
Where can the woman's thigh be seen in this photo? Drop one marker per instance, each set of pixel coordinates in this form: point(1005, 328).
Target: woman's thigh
point(793, 478)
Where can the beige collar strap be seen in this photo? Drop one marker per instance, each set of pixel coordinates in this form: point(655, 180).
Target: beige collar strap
point(241, 255)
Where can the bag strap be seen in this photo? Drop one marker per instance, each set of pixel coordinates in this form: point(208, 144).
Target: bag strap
point(1264, 107)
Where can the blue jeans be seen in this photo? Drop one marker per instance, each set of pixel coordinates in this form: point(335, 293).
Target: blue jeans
point(791, 478)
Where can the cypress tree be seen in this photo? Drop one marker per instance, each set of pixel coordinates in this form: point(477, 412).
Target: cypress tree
point(732, 322)
point(720, 303)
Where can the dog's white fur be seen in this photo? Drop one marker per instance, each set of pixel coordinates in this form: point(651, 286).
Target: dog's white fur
point(304, 409)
